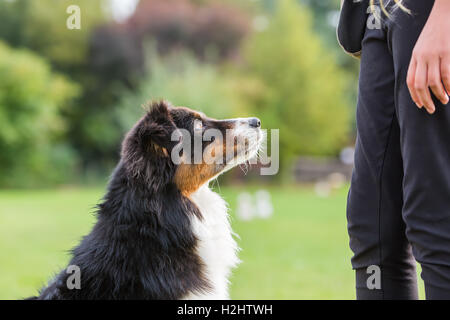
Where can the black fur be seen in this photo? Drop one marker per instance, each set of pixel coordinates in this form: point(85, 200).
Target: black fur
point(142, 246)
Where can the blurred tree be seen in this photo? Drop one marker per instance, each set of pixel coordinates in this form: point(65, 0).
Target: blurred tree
point(31, 98)
point(302, 89)
point(209, 29)
point(13, 15)
point(107, 58)
point(212, 31)
point(91, 128)
point(116, 53)
point(184, 81)
point(41, 27)
point(325, 15)
point(204, 27)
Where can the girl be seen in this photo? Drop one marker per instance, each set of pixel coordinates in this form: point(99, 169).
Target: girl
point(399, 200)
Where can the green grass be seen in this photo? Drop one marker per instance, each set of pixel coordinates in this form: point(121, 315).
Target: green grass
point(299, 253)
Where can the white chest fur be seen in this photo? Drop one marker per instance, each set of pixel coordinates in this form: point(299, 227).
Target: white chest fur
point(216, 246)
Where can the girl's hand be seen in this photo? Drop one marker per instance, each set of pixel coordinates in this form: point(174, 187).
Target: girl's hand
point(430, 62)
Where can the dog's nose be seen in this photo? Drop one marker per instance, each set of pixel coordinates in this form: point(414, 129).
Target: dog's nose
point(254, 122)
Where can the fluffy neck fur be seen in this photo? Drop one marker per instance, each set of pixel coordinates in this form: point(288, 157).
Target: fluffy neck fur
point(142, 246)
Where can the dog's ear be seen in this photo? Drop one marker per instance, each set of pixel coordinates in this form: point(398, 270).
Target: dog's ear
point(159, 127)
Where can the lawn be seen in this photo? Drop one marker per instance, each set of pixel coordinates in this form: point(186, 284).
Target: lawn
point(301, 252)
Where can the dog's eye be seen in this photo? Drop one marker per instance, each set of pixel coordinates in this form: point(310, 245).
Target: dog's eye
point(198, 125)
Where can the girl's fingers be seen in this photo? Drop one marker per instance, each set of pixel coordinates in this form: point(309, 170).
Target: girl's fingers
point(445, 73)
point(435, 82)
point(421, 86)
point(411, 80)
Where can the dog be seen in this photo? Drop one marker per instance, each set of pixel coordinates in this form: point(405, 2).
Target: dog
point(161, 232)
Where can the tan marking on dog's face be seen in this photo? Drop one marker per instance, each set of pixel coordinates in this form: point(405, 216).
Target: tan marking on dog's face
point(189, 176)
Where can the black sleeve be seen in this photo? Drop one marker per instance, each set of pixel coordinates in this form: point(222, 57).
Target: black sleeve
point(352, 25)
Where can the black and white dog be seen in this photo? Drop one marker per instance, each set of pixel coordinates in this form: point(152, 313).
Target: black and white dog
point(161, 233)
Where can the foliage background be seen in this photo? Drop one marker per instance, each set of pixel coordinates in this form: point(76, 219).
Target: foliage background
point(31, 100)
point(272, 59)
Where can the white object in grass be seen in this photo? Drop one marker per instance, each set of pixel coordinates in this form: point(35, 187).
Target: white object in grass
point(245, 208)
point(264, 207)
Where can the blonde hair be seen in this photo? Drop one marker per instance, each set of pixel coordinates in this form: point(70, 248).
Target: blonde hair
point(383, 7)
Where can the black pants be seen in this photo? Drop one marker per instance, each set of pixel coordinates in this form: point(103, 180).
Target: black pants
point(399, 201)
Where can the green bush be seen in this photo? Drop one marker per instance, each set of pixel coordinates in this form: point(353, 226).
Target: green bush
point(41, 27)
point(31, 98)
point(301, 90)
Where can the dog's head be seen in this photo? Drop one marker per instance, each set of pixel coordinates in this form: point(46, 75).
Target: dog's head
point(179, 146)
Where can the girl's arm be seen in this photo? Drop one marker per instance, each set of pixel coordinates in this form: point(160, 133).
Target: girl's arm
point(430, 62)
